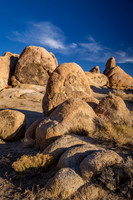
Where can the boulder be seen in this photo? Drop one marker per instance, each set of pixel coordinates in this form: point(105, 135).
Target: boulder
point(7, 66)
point(117, 77)
point(96, 161)
point(91, 191)
point(73, 156)
point(34, 66)
point(67, 81)
point(59, 146)
point(55, 60)
point(113, 109)
point(65, 182)
point(95, 70)
point(12, 124)
point(109, 65)
point(97, 79)
point(74, 116)
point(29, 139)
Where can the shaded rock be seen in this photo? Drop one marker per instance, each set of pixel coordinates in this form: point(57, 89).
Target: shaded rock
point(113, 109)
point(95, 70)
point(34, 66)
point(97, 79)
point(59, 146)
point(93, 102)
point(92, 191)
point(7, 66)
point(117, 77)
point(12, 124)
point(63, 184)
point(73, 156)
point(74, 116)
point(29, 139)
point(13, 58)
point(95, 162)
point(109, 65)
point(67, 81)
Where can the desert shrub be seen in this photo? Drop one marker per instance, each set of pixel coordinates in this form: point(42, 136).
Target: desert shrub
point(119, 133)
point(119, 178)
point(28, 162)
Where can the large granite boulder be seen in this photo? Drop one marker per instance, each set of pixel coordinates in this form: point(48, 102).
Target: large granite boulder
point(34, 66)
point(97, 161)
point(113, 109)
point(7, 66)
point(117, 77)
point(12, 124)
point(67, 81)
point(65, 182)
point(74, 116)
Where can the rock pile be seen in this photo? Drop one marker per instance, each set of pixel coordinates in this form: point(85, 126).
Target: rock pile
point(117, 77)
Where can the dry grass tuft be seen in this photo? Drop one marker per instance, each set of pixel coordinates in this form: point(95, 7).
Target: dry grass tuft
point(123, 94)
point(119, 133)
point(27, 162)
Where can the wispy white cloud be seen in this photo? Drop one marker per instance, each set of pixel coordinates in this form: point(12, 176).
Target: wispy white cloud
point(52, 37)
point(43, 33)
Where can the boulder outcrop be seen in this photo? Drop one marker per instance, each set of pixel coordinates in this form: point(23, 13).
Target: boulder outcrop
point(12, 124)
point(63, 184)
point(98, 160)
point(7, 66)
point(113, 109)
point(97, 79)
point(34, 66)
point(73, 116)
point(67, 81)
point(117, 77)
point(95, 70)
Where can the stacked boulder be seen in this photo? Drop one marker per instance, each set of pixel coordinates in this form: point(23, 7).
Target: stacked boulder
point(117, 77)
point(67, 130)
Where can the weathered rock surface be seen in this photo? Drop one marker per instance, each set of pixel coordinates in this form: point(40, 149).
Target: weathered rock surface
point(74, 116)
point(73, 156)
point(7, 66)
point(113, 109)
point(59, 146)
point(63, 184)
point(96, 161)
point(92, 191)
point(34, 66)
point(109, 65)
point(67, 81)
point(95, 70)
point(12, 124)
point(97, 79)
point(117, 77)
point(55, 60)
point(29, 139)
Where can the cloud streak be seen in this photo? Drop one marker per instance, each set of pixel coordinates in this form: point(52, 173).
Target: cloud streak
point(52, 37)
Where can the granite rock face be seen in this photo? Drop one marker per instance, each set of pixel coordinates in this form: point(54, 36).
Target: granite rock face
point(67, 81)
point(34, 66)
point(117, 77)
point(7, 66)
point(12, 124)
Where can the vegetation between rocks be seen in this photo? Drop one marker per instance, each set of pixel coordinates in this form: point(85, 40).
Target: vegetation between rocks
point(28, 162)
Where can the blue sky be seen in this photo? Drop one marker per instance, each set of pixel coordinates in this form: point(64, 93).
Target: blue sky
point(87, 32)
